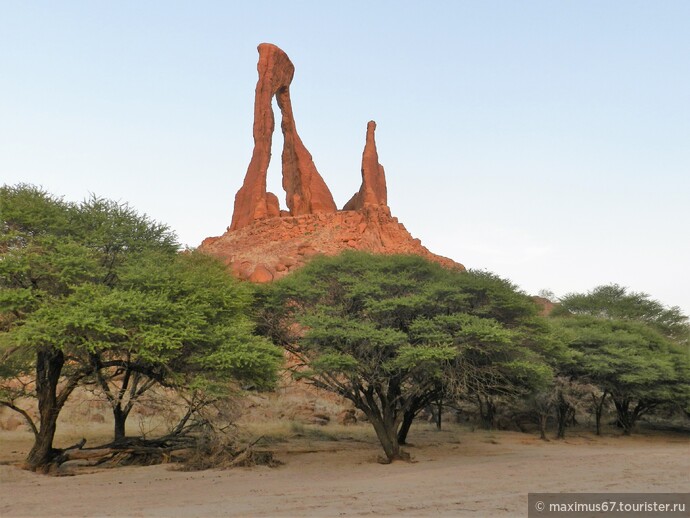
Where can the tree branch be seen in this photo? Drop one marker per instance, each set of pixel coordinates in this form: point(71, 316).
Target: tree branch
point(24, 413)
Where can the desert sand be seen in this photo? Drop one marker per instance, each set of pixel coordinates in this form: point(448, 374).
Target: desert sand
point(456, 472)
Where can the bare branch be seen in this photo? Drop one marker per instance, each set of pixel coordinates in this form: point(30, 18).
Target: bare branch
point(24, 413)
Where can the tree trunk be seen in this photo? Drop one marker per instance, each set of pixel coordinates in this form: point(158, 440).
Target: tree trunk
point(439, 415)
point(408, 417)
point(388, 437)
point(49, 365)
point(120, 417)
point(597, 417)
point(599, 410)
point(487, 412)
point(625, 420)
point(563, 413)
point(543, 419)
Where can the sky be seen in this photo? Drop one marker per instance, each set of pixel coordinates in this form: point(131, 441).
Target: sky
point(548, 142)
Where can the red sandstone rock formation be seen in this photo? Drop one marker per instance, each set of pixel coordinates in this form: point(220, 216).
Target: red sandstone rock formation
point(373, 190)
point(264, 243)
point(272, 248)
point(546, 307)
point(307, 193)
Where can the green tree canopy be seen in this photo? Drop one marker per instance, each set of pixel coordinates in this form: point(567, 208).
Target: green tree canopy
point(616, 302)
point(97, 291)
point(387, 331)
point(632, 361)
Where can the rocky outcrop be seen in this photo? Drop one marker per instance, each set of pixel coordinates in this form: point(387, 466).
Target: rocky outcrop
point(307, 193)
point(272, 248)
point(373, 190)
point(264, 243)
point(545, 306)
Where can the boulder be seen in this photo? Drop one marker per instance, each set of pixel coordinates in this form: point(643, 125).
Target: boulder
point(261, 274)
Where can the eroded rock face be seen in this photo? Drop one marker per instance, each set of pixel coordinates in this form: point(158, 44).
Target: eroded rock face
point(373, 190)
point(306, 191)
point(272, 248)
point(264, 243)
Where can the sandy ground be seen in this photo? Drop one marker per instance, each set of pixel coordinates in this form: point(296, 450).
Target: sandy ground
point(456, 472)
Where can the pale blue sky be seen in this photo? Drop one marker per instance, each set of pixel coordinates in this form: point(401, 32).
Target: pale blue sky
point(548, 142)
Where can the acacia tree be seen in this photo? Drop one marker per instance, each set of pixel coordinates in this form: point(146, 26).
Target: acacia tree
point(630, 361)
point(40, 263)
point(496, 360)
point(632, 347)
point(69, 313)
point(174, 323)
point(504, 346)
point(385, 331)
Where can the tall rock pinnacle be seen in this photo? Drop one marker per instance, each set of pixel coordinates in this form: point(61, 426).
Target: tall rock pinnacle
point(264, 243)
point(373, 190)
point(307, 193)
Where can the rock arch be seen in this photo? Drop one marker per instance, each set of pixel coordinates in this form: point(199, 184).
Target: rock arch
point(306, 191)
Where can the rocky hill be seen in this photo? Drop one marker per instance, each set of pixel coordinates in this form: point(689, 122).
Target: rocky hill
point(265, 243)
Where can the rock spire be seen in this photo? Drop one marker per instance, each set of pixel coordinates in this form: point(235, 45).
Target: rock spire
point(264, 243)
point(373, 190)
point(307, 193)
